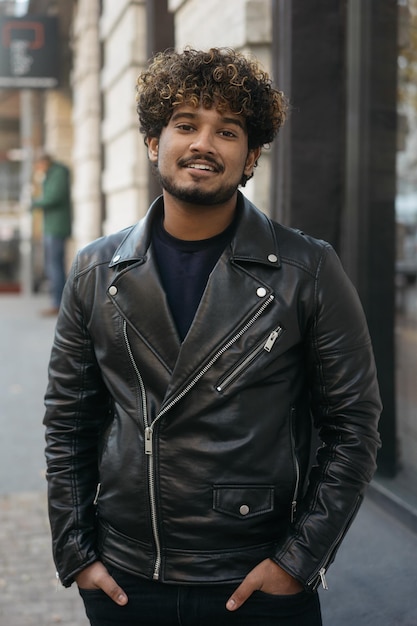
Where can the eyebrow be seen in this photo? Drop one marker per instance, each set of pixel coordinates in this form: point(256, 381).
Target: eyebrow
point(192, 116)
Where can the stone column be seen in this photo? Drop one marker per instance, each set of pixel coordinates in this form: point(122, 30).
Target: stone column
point(86, 117)
point(125, 162)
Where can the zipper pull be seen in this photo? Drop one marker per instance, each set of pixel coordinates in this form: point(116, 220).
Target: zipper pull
point(272, 339)
point(293, 510)
point(95, 501)
point(323, 578)
point(148, 440)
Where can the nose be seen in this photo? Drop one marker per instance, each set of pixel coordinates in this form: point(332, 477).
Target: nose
point(202, 142)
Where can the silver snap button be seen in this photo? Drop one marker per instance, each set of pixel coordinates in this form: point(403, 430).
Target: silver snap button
point(272, 258)
point(112, 290)
point(261, 292)
point(244, 509)
point(116, 258)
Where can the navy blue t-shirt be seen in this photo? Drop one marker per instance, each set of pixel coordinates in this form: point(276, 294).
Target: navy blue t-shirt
point(184, 267)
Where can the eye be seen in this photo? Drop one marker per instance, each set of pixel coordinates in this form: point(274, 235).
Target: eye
point(184, 127)
point(228, 133)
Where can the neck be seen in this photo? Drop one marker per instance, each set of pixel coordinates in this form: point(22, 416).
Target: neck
point(193, 222)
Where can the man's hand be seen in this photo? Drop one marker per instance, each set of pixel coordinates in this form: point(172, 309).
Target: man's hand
point(96, 576)
point(267, 577)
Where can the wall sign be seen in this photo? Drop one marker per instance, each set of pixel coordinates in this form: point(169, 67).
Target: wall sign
point(29, 52)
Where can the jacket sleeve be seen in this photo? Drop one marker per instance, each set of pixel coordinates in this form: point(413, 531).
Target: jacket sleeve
point(345, 405)
point(77, 408)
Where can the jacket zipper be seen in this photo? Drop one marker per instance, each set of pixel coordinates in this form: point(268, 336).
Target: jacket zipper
point(297, 469)
point(151, 469)
point(264, 346)
point(319, 575)
point(149, 428)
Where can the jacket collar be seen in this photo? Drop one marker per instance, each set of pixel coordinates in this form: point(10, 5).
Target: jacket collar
point(134, 246)
point(254, 240)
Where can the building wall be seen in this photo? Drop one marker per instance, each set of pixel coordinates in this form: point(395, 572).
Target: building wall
point(58, 130)
point(86, 116)
point(125, 163)
point(109, 160)
point(58, 124)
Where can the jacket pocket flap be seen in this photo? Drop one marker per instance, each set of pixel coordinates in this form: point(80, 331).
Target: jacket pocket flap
point(243, 501)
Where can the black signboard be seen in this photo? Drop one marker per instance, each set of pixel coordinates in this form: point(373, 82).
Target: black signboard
point(29, 52)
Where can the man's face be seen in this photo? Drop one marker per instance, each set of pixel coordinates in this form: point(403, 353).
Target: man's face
point(42, 166)
point(202, 154)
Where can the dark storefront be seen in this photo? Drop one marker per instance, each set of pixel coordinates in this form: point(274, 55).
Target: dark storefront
point(336, 162)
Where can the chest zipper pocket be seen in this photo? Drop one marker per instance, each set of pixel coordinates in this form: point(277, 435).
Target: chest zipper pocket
point(264, 346)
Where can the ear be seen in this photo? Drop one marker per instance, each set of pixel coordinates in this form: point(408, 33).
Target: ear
point(251, 160)
point(153, 144)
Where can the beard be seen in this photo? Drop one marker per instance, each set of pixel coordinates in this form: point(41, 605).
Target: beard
point(197, 195)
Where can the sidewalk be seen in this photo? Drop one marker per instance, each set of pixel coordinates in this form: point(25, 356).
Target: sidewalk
point(29, 594)
point(376, 563)
point(28, 589)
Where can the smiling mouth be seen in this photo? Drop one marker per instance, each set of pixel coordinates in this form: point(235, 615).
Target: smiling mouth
point(201, 166)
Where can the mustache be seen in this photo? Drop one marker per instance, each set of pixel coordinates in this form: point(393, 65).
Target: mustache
point(207, 158)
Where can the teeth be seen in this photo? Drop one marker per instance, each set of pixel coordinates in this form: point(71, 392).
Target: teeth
point(199, 166)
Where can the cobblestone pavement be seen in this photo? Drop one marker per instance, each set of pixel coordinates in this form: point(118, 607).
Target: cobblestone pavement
point(29, 594)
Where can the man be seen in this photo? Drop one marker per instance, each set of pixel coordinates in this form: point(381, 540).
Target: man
point(193, 353)
point(55, 203)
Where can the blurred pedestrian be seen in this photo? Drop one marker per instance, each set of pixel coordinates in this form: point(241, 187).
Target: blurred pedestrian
point(195, 351)
point(55, 202)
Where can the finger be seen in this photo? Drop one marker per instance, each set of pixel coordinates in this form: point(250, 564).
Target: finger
point(113, 590)
point(241, 594)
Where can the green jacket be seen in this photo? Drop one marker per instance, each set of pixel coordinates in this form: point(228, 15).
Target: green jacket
point(55, 201)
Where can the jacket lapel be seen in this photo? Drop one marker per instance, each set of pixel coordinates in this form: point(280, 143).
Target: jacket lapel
point(141, 300)
point(140, 296)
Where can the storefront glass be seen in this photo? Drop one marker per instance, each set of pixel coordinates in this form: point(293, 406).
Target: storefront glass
point(406, 240)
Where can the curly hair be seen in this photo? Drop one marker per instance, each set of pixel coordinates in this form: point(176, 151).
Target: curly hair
point(219, 77)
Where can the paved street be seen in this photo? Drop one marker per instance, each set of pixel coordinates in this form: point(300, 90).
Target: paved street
point(28, 590)
point(372, 583)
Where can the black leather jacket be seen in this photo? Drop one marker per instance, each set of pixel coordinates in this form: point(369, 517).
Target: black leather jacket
point(190, 463)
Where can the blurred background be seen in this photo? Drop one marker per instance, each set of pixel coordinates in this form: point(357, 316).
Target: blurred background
point(344, 168)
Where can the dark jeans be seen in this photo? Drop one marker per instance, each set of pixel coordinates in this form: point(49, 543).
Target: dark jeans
point(55, 266)
point(155, 604)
